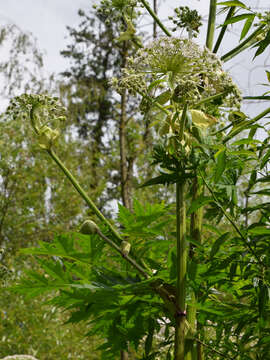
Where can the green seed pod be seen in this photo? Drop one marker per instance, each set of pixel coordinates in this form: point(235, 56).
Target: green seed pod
point(125, 247)
point(89, 227)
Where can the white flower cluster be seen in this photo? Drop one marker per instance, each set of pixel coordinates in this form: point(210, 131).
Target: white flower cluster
point(181, 66)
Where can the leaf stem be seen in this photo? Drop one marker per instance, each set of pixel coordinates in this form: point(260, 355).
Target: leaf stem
point(127, 257)
point(156, 19)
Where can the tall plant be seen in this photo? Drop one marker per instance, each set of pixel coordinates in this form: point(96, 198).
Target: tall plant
point(142, 299)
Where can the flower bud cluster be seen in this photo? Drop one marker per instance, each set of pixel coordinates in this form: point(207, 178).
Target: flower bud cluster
point(44, 112)
point(187, 19)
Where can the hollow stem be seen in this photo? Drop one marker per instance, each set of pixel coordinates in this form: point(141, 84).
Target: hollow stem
point(211, 24)
point(195, 233)
point(180, 316)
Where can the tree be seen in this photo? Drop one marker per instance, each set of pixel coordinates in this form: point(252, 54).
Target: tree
point(226, 277)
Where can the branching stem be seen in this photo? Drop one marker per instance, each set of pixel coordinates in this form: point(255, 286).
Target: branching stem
point(155, 17)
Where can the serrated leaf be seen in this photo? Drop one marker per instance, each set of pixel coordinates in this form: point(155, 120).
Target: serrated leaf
point(155, 83)
point(268, 75)
point(202, 120)
point(259, 230)
point(233, 3)
point(218, 243)
point(221, 165)
point(247, 141)
point(265, 159)
point(161, 179)
point(164, 97)
point(237, 18)
point(246, 153)
point(198, 203)
point(263, 299)
point(262, 45)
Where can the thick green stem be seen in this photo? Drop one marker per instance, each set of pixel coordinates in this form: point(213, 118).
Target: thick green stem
point(223, 29)
point(180, 316)
point(211, 24)
point(195, 233)
point(252, 39)
point(156, 19)
point(83, 194)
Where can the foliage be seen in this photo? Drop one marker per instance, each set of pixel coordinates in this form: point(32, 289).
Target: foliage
point(32, 328)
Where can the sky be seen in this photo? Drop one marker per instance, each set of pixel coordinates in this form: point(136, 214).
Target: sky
point(47, 20)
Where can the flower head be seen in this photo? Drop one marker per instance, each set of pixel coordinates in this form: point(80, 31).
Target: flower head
point(44, 112)
point(190, 73)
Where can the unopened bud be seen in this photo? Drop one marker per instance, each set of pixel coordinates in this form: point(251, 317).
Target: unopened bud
point(125, 247)
point(89, 227)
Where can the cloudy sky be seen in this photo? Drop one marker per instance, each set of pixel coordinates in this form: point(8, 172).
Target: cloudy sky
point(47, 20)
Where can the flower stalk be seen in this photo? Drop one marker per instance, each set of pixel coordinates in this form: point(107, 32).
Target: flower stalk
point(83, 194)
point(155, 17)
point(211, 24)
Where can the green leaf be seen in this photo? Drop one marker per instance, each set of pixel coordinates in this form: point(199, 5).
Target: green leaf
point(246, 153)
point(155, 83)
point(263, 299)
point(259, 230)
point(268, 75)
point(248, 141)
point(149, 338)
point(161, 179)
point(218, 243)
point(198, 203)
point(233, 3)
point(265, 192)
point(238, 18)
point(265, 159)
point(221, 165)
point(164, 97)
point(262, 45)
point(247, 26)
